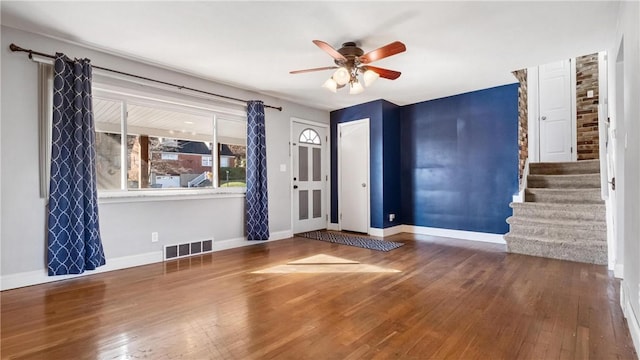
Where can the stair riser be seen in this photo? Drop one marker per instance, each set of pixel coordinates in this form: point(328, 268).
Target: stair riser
point(555, 182)
point(580, 167)
point(560, 214)
point(582, 197)
point(561, 251)
point(557, 232)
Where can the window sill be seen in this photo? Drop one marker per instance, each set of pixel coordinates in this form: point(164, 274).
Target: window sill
point(118, 196)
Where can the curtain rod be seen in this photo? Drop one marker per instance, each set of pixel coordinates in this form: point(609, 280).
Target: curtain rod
point(15, 48)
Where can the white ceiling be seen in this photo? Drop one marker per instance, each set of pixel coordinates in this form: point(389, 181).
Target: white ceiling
point(452, 47)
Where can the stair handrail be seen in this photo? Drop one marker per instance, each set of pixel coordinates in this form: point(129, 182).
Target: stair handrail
point(197, 180)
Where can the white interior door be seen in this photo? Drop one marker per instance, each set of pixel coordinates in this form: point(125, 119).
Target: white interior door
point(353, 172)
point(619, 139)
point(555, 112)
point(308, 149)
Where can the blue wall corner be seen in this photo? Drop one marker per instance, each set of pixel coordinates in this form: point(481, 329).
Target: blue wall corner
point(448, 163)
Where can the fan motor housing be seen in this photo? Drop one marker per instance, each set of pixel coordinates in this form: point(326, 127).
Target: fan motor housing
point(350, 51)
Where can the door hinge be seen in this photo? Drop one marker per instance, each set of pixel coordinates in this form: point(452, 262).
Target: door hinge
point(572, 149)
point(340, 216)
point(613, 183)
point(326, 178)
point(326, 217)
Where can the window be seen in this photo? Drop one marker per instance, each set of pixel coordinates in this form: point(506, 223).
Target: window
point(167, 146)
point(309, 136)
point(173, 140)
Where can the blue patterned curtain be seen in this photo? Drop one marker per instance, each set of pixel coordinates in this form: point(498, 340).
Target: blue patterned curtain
point(73, 236)
point(257, 204)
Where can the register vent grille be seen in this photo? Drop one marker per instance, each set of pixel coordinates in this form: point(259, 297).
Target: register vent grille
point(181, 250)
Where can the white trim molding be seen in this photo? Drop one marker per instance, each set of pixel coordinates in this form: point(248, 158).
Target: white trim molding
point(456, 234)
point(423, 230)
point(36, 277)
point(387, 231)
point(219, 245)
point(630, 315)
point(333, 226)
point(29, 278)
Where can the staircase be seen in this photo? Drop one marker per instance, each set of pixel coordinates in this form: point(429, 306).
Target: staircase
point(562, 216)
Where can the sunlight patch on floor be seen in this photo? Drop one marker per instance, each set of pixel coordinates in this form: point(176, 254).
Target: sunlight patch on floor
point(322, 263)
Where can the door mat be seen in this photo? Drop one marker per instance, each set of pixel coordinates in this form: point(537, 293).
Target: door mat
point(351, 240)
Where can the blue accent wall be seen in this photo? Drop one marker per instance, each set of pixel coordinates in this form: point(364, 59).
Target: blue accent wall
point(460, 160)
point(449, 163)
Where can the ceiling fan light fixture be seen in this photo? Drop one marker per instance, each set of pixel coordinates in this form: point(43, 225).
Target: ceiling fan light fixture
point(370, 77)
point(341, 76)
point(356, 88)
point(330, 85)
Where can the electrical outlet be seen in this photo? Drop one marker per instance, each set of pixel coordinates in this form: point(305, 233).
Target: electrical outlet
point(154, 237)
point(392, 217)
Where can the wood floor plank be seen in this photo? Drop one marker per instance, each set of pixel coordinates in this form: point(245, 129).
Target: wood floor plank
point(452, 299)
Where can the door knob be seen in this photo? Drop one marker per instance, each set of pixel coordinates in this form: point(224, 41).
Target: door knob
point(364, 185)
point(544, 118)
point(295, 186)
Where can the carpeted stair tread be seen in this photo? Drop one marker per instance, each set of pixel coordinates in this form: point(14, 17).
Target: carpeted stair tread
point(569, 224)
point(573, 196)
point(557, 233)
point(573, 181)
point(563, 216)
point(590, 242)
point(589, 252)
point(579, 167)
point(582, 212)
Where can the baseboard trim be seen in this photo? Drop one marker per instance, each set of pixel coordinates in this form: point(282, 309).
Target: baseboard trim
point(456, 234)
point(630, 315)
point(28, 278)
point(386, 231)
point(618, 271)
point(240, 242)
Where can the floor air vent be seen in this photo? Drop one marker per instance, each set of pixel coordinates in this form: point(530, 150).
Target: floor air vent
point(187, 249)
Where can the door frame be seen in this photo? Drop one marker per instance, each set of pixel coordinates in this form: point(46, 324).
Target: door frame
point(339, 168)
point(533, 127)
point(326, 167)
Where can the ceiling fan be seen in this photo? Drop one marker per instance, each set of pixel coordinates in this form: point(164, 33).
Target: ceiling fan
point(351, 61)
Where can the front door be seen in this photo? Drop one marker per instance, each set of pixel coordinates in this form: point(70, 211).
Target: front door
point(555, 112)
point(308, 149)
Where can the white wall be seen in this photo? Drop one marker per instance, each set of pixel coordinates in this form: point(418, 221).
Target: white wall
point(628, 33)
point(126, 226)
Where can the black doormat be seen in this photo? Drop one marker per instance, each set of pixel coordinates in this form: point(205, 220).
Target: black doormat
point(358, 241)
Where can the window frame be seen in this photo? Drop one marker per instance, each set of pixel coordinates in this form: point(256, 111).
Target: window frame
point(192, 107)
point(111, 87)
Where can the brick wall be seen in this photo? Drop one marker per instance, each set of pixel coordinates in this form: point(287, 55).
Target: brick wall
point(587, 108)
point(523, 119)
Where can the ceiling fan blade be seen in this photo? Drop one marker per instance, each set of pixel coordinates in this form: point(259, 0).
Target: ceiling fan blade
point(395, 47)
point(384, 73)
point(330, 50)
point(311, 70)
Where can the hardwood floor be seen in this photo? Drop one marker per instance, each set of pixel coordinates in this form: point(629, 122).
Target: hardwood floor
point(452, 299)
